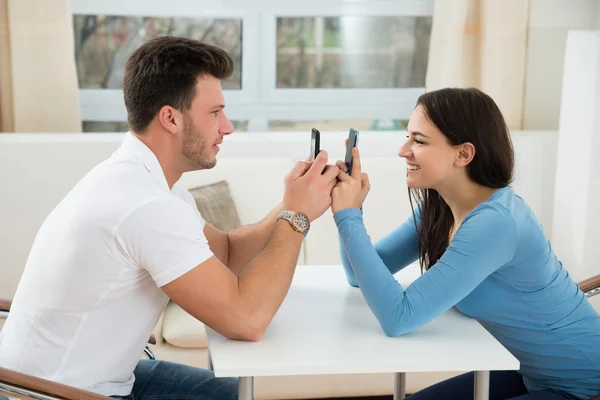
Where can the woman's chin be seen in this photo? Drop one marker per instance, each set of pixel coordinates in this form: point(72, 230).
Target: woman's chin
point(414, 184)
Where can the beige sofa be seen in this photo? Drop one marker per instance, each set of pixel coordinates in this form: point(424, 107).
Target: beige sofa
point(36, 171)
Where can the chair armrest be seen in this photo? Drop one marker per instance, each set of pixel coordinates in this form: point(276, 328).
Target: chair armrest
point(590, 284)
point(5, 304)
point(49, 388)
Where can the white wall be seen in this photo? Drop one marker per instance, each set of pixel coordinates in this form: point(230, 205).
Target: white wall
point(549, 22)
point(577, 187)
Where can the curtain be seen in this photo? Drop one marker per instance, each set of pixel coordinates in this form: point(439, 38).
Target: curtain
point(481, 44)
point(38, 78)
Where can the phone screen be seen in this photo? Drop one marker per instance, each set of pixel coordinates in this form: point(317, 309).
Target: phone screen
point(352, 143)
point(315, 143)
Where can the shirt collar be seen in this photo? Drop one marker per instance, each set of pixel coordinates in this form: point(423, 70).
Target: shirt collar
point(134, 146)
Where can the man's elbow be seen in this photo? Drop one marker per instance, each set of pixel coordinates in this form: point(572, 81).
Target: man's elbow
point(252, 333)
point(247, 328)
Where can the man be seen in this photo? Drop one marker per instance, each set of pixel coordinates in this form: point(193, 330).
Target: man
point(128, 237)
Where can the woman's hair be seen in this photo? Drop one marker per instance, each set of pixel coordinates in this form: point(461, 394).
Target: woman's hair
point(462, 115)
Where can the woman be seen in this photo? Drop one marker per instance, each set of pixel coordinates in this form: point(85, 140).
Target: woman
point(481, 249)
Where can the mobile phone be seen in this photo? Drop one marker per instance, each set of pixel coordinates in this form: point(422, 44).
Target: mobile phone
point(315, 143)
point(352, 143)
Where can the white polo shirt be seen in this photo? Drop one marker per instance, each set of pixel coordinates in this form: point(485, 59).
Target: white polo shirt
point(90, 293)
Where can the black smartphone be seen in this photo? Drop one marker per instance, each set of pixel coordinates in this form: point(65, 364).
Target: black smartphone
point(352, 143)
point(315, 143)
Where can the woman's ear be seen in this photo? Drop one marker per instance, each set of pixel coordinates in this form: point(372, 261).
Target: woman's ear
point(466, 153)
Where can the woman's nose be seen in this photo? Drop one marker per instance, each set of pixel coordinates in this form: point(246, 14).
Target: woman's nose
point(404, 151)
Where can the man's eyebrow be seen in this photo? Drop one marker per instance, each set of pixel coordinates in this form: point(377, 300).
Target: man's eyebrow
point(220, 106)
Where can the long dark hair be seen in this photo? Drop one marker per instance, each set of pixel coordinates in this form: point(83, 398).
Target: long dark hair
point(462, 115)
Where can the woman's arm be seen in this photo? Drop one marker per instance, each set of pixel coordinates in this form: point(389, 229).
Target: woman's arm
point(485, 241)
point(397, 250)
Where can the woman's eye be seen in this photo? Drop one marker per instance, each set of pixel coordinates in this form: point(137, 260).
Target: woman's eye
point(415, 140)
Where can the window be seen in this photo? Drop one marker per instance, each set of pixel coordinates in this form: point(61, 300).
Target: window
point(104, 42)
point(352, 52)
point(121, 126)
point(338, 125)
point(330, 62)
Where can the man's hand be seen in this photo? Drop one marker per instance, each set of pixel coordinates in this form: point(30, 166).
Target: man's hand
point(351, 190)
point(308, 187)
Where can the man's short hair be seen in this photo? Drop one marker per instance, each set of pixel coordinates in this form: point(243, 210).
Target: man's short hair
point(164, 71)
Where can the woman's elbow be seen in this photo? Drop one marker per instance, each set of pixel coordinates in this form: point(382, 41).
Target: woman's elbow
point(350, 278)
point(352, 282)
point(394, 328)
point(392, 331)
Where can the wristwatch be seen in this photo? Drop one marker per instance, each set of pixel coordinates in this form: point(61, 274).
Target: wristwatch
point(298, 220)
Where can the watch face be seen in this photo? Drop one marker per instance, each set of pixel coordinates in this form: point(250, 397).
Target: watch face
point(301, 221)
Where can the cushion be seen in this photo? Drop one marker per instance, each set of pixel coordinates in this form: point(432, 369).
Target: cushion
point(180, 329)
point(216, 205)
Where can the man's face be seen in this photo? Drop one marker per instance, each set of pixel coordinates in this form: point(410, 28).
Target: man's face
point(205, 125)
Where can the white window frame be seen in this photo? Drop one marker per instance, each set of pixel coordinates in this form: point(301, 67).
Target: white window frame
point(259, 101)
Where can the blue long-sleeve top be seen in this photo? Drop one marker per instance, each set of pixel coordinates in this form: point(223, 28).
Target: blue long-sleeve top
point(499, 269)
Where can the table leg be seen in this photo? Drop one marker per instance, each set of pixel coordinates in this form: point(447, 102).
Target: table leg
point(482, 385)
point(246, 388)
point(399, 385)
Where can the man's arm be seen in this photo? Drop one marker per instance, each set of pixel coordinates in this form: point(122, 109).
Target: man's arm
point(247, 241)
point(238, 246)
point(241, 307)
point(218, 242)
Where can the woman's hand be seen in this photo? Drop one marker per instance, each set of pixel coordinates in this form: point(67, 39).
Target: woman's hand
point(351, 190)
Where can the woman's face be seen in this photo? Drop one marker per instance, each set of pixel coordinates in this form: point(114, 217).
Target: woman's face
point(430, 158)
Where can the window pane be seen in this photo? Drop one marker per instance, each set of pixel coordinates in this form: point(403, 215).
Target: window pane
point(339, 125)
point(103, 43)
point(104, 126)
point(352, 52)
point(121, 126)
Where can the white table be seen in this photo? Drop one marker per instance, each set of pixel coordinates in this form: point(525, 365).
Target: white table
point(325, 326)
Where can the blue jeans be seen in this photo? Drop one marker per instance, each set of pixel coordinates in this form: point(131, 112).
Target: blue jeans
point(163, 380)
point(504, 385)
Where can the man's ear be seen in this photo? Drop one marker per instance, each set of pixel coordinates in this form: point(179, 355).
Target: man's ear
point(465, 154)
point(170, 118)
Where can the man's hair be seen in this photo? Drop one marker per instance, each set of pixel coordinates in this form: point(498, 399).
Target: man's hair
point(164, 71)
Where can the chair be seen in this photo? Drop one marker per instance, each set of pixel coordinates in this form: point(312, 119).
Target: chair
point(42, 389)
point(591, 287)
